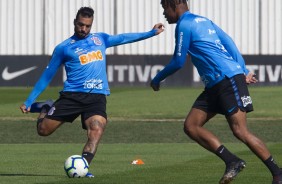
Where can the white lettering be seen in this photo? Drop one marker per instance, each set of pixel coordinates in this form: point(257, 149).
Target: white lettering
point(273, 75)
point(131, 76)
point(200, 20)
point(180, 43)
point(252, 68)
point(143, 76)
point(266, 70)
point(93, 84)
point(261, 73)
point(135, 73)
point(121, 69)
point(110, 72)
point(211, 31)
point(270, 72)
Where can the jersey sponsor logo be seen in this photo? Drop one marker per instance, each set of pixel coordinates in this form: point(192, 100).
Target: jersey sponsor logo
point(246, 100)
point(72, 41)
point(220, 46)
point(91, 57)
point(200, 20)
point(6, 75)
point(78, 50)
point(93, 84)
point(180, 43)
point(211, 31)
point(96, 40)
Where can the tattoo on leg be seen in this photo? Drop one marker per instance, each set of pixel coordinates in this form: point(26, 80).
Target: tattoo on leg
point(94, 132)
point(96, 125)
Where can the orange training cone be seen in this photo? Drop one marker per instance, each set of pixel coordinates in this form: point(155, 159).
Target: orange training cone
point(137, 162)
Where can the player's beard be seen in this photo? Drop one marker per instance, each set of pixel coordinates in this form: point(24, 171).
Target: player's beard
point(81, 34)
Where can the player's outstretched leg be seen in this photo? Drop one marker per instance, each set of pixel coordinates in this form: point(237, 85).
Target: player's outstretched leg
point(232, 171)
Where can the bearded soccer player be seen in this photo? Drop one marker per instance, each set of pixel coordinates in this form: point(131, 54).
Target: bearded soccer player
point(85, 90)
point(223, 71)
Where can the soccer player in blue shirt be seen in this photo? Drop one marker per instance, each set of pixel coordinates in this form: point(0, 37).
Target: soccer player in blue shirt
point(224, 74)
point(86, 86)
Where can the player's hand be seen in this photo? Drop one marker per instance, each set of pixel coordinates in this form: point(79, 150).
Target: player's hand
point(24, 109)
point(251, 78)
point(156, 87)
point(159, 27)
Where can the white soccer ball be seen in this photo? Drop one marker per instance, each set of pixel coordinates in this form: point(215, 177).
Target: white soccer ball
point(76, 166)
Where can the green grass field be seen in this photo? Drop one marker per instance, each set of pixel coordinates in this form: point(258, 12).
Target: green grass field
point(142, 124)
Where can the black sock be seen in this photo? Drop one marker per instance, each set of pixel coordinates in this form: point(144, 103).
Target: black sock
point(88, 156)
point(223, 153)
point(272, 166)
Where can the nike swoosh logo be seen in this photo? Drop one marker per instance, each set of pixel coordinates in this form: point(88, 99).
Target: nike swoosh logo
point(230, 110)
point(9, 76)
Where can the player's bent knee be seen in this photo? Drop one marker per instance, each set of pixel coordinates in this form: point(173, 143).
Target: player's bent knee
point(46, 127)
point(40, 128)
point(241, 135)
point(43, 131)
point(187, 130)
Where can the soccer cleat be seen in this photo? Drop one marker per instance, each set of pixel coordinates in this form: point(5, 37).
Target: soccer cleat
point(89, 175)
point(231, 171)
point(37, 106)
point(277, 179)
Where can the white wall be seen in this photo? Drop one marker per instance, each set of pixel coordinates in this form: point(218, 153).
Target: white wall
point(60, 14)
point(34, 27)
point(239, 18)
point(21, 28)
point(271, 27)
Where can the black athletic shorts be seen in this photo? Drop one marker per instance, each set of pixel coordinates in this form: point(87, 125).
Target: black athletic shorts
point(226, 97)
point(72, 104)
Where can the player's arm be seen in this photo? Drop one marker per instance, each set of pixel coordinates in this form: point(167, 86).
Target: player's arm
point(231, 47)
point(44, 80)
point(182, 42)
point(114, 40)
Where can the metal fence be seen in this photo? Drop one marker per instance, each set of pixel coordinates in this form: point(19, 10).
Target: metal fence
point(35, 27)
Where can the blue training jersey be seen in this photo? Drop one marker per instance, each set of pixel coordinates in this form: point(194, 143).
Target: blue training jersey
point(85, 63)
point(212, 51)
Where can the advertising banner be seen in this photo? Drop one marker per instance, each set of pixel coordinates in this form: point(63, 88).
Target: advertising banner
point(132, 70)
point(25, 70)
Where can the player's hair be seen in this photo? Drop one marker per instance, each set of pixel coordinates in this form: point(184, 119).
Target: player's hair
point(173, 3)
point(85, 12)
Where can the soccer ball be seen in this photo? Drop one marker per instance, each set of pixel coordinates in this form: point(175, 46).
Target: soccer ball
point(76, 166)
